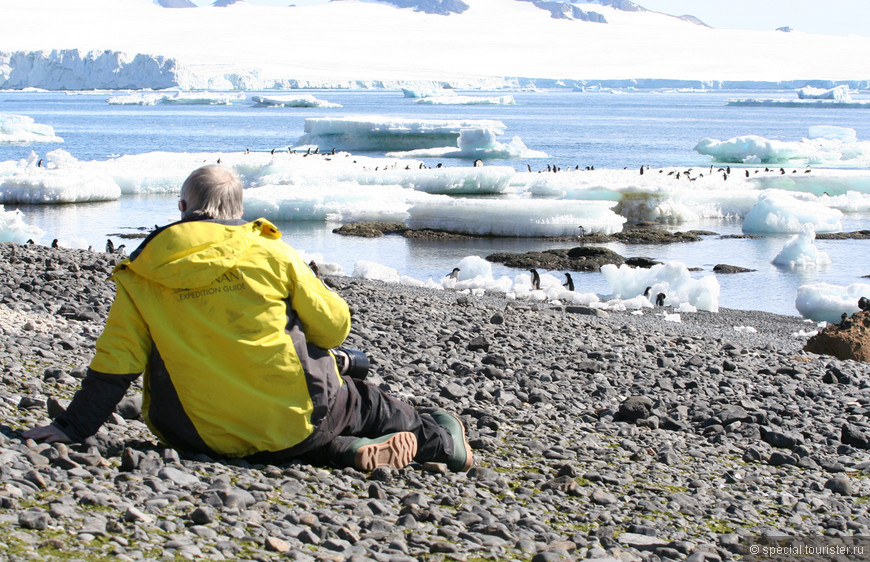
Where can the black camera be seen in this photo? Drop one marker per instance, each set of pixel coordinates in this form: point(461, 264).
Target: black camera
point(351, 362)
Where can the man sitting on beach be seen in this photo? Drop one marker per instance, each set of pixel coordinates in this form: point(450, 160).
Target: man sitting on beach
point(233, 332)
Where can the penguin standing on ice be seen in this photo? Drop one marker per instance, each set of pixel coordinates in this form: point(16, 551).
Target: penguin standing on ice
point(569, 283)
point(536, 279)
point(454, 274)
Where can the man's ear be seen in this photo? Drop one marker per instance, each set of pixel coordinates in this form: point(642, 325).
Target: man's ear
point(182, 205)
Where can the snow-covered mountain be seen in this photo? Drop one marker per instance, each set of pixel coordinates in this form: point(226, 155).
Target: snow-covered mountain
point(76, 44)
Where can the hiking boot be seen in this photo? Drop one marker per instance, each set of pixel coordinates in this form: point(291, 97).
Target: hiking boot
point(461, 459)
point(393, 449)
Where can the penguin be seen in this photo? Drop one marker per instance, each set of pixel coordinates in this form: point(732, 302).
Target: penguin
point(54, 243)
point(641, 170)
point(864, 304)
point(660, 299)
point(529, 167)
point(569, 283)
point(247, 151)
point(218, 160)
point(582, 231)
point(478, 163)
point(438, 165)
point(39, 164)
point(314, 268)
point(30, 241)
point(646, 292)
point(110, 246)
point(120, 250)
point(747, 173)
point(273, 152)
point(454, 274)
point(536, 279)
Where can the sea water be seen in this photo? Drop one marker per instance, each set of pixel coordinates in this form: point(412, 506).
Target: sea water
point(600, 129)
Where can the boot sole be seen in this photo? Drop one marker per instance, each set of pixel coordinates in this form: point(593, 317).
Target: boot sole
point(397, 452)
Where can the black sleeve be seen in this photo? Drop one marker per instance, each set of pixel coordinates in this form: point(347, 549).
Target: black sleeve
point(93, 404)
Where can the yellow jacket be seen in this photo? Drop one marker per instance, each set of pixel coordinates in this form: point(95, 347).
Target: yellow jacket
point(231, 328)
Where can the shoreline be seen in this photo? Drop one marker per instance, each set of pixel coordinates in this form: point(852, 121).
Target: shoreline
point(622, 436)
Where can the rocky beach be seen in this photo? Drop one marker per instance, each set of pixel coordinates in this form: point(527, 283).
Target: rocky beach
point(609, 436)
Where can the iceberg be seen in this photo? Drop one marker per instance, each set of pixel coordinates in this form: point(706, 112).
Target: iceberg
point(515, 217)
point(779, 212)
point(824, 302)
point(20, 129)
point(838, 93)
point(467, 100)
point(14, 229)
point(475, 143)
point(381, 133)
point(799, 252)
point(826, 146)
point(291, 101)
point(336, 202)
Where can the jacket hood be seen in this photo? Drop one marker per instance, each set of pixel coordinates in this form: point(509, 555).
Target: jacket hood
point(191, 254)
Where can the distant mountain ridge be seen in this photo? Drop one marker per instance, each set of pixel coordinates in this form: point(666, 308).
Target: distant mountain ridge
point(559, 9)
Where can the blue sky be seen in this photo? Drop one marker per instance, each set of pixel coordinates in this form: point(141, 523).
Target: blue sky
point(834, 17)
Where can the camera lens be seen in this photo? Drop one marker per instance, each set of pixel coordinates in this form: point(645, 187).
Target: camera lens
point(351, 362)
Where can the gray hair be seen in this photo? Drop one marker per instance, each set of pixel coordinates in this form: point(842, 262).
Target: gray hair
point(213, 191)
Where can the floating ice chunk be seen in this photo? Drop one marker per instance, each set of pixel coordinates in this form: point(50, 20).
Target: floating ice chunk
point(382, 133)
point(826, 302)
point(14, 229)
point(750, 148)
point(416, 94)
point(754, 149)
point(459, 180)
point(781, 212)
point(41, 185)
point(839, 93)
point(844, 134)
point(291, 101)
point(178, 98)
point(376, 271)
point(136, 99)
point(467, 100)
point(800, 252)
point(343, 201)
point(20, 129)
point(475, 143)
point(203, 98)
point(515, 217)
point(672, 278)
point(474, 266)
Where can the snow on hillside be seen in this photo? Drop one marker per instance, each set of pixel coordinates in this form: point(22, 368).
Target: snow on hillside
point(58, 44)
